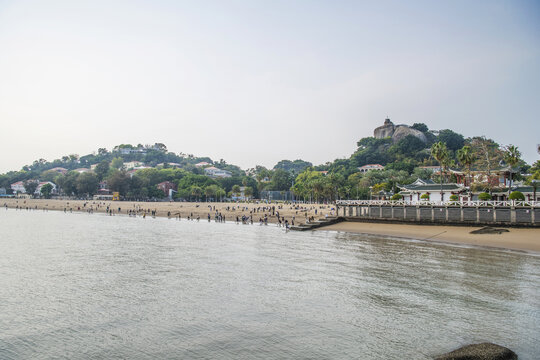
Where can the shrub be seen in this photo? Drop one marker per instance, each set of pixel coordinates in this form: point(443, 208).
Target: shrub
point(424, 197)
point(454, 197)
point(484, 196)
point(396, 197)
point(517, 195)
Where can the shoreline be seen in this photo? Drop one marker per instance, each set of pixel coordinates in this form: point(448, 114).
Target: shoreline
point(520, 239)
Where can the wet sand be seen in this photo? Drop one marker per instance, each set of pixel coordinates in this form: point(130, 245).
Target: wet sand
point(516, 238)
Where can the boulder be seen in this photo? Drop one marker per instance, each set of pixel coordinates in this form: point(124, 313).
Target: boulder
point(401, 131)
point(483, 351)
point(387, 130)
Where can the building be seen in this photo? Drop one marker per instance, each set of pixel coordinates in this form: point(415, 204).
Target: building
point(132, 164)
point(42, 183)
point(18, 187)
point(214, 172)
point(165, 186)
point(369, 167)
point(412, 193)
point(202, 164)
point(128, 151)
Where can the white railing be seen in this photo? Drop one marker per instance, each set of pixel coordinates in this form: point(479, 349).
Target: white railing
point(478, 203)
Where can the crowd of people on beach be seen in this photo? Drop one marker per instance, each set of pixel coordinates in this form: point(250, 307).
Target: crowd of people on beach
point(283, 214)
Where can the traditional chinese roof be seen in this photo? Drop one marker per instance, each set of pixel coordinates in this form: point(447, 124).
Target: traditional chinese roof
point(431, 187)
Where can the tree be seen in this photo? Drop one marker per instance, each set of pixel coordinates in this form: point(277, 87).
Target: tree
point(101, 169)
point(236, 190)
point(30, 187)
point(512, 156)
point(117, 163)
point(466, 157)
point(210, 191)
point(281, 180)
point(102, 151)
point(487, 155)
point(119, 181)
point(453, 140)
point(196, 191)
point(439, 152)
point(420, 127)
point(516, 195)
point(248, 192)
point(533, 180)
point(87, 183)
point(484, 196)
point(46, 190)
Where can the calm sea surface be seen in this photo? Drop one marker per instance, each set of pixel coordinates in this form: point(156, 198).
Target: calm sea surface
point(79, 286)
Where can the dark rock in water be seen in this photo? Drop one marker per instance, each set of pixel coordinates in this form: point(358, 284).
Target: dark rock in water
point(483, 351)
point(488, 230)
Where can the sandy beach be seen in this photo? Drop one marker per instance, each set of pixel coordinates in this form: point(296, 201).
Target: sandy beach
point(291, 213)
point(516, 238)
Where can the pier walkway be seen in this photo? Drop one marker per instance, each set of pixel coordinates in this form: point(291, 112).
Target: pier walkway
point(502, 213)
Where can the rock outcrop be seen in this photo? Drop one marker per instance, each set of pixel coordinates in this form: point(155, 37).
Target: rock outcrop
point(387, 130)
point(397, 132)
point(483, 351)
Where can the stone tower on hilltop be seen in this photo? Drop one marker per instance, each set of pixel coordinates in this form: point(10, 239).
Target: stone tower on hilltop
point(396, 132)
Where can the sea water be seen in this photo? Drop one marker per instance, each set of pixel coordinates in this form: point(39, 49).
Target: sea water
point(91, 286)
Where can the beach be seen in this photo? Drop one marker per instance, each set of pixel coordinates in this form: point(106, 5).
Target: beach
point(523, 239)
point(294, 214)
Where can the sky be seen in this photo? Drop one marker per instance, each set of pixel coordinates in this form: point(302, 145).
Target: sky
point(254, 82)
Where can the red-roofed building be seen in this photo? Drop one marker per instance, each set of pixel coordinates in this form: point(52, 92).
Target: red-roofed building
point(166, 186)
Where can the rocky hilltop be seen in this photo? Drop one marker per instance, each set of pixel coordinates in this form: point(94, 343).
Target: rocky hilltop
point(396, 132)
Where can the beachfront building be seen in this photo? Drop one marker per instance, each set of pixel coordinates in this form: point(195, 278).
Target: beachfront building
point(369, 167)
point(18, 187)
point(412, 193)
point(214, 172)
point(166, 186)
point(42, 183)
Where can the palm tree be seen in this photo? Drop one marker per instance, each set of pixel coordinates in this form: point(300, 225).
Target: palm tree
point(439, 151)
point(466, 157)
point(209, 191)
point(512, 156)
point(196, 191)
point(236, 190)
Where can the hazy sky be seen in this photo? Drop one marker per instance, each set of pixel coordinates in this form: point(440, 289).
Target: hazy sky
point(254, 82)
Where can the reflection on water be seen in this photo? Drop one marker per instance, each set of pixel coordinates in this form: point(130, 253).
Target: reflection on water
point(93, 287)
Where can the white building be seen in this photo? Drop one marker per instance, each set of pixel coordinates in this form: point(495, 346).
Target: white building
point(369, 167)
point(413, 193)
point(18, 187)
point(132, 164)
point(214, 172)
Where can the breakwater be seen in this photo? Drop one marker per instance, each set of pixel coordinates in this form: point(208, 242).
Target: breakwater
point(525, 214)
